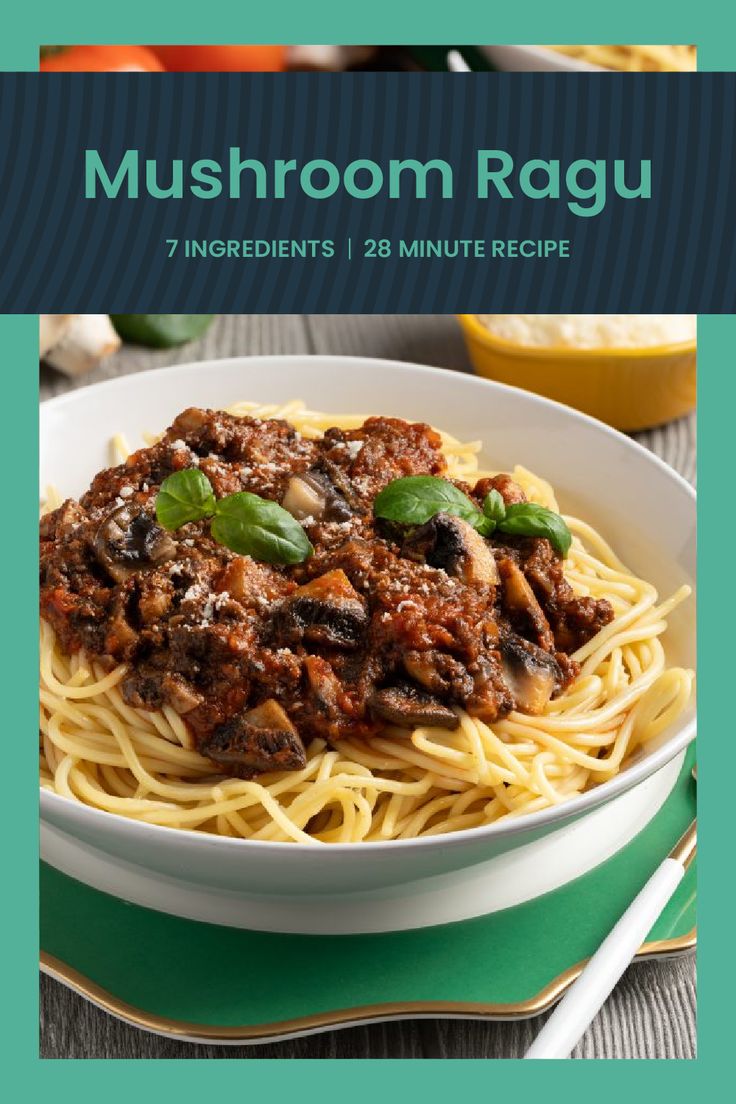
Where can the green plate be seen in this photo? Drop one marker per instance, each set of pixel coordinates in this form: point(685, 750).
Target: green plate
point(201, 981)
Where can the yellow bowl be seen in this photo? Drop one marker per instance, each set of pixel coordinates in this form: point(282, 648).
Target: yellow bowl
point(628, 388)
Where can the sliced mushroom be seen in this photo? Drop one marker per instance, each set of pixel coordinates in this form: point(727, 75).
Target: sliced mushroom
point(324, 685)
point(519, 596)
point(439, 673)
point(127, 541)
point(250, 582)
point(407, 706)
point(455, 546)
point(531, 674)
point(312, 495)
point(180, 695)
point(262, 739)
point(304, 499)
point(328, 610)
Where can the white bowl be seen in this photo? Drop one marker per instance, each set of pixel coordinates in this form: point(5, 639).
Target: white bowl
point(536, 59)
point(644, 509)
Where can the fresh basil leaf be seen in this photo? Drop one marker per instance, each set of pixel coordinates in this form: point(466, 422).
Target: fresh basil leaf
point(257, 527)
point(494, 511)
point(184, 496)
point(527, 519)
point(417, 498)
point(494, 506)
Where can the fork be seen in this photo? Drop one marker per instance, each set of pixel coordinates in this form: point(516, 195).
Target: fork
point(577, 1009)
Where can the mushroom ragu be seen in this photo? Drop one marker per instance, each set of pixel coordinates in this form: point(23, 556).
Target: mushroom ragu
point(383, 627)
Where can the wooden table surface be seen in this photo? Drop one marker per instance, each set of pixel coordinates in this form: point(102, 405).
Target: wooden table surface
point(651, 1014)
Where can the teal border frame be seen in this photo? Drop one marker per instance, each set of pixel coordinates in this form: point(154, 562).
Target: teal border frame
point(713, 27)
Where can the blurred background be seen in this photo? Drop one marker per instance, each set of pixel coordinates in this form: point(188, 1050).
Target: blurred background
point(274, 58)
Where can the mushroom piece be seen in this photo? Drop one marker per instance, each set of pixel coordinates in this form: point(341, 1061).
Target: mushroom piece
point(304, 499)
point(51, 327)
point(262, 739)
point(76, 343)
point(328, 610)
point(455, 546)
point(531, 674)
point(181, 696)
point(407, 706)
point(312, 495)
point(438, 672)
point(127, 541)
point(324, 685)
point(250, 582)
point(519, 596)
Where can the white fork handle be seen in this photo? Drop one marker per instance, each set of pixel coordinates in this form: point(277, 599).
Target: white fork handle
point(577, 1009)
point(456, 63)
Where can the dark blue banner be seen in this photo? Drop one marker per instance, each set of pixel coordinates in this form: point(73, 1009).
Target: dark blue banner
point(365, 192)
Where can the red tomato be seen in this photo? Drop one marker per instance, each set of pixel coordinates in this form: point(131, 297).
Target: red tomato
point(221, 59)
point(101, 59)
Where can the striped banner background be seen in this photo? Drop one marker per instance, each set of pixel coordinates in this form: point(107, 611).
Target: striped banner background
point(60, 252)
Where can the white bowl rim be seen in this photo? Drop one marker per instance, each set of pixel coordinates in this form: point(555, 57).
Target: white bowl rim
point(567, 63)
point(512, 826)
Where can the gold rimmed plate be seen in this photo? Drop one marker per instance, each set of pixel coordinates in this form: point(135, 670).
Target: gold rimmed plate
point(222, 984)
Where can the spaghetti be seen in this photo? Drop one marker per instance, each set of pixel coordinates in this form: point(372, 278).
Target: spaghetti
point(635, 59)
point(97, 749)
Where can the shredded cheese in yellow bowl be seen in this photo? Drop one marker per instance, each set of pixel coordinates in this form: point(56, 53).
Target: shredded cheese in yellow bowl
point(632, 371)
